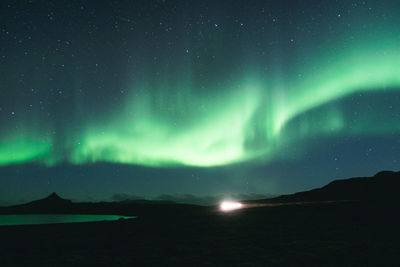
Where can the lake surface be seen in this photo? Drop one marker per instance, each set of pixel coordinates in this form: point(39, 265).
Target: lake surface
point(24, 219)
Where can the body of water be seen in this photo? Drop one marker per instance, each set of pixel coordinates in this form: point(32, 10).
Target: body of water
point(25, 219)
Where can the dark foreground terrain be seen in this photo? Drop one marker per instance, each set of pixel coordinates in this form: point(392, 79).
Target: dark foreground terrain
point(316, 234)
point(362, 232)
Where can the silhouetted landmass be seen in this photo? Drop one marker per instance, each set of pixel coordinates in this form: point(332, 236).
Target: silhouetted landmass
point(353, 222)
point(52, 201)
point(384, 186)
point(54, 204)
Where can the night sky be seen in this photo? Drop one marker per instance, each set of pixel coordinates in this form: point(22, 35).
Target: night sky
point(191, 100)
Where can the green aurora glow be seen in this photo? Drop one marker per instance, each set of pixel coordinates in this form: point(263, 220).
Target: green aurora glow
point(249, 118)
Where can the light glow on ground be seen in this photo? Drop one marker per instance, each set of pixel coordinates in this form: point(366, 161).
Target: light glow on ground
point(227, 206)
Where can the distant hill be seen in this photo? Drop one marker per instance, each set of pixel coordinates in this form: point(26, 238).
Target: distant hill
point(51, 200)
point(50, 204)
point(54, 204)
point(384, 185)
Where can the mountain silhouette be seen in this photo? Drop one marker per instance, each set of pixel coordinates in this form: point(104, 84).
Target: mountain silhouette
point(54, 204)
point(50, 204)
point(383, 186)
point(53, 200)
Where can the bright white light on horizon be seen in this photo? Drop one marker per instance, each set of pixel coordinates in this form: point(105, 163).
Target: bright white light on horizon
point(230, 205)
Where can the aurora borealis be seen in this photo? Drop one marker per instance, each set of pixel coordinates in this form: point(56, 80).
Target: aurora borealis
point(198, 87)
